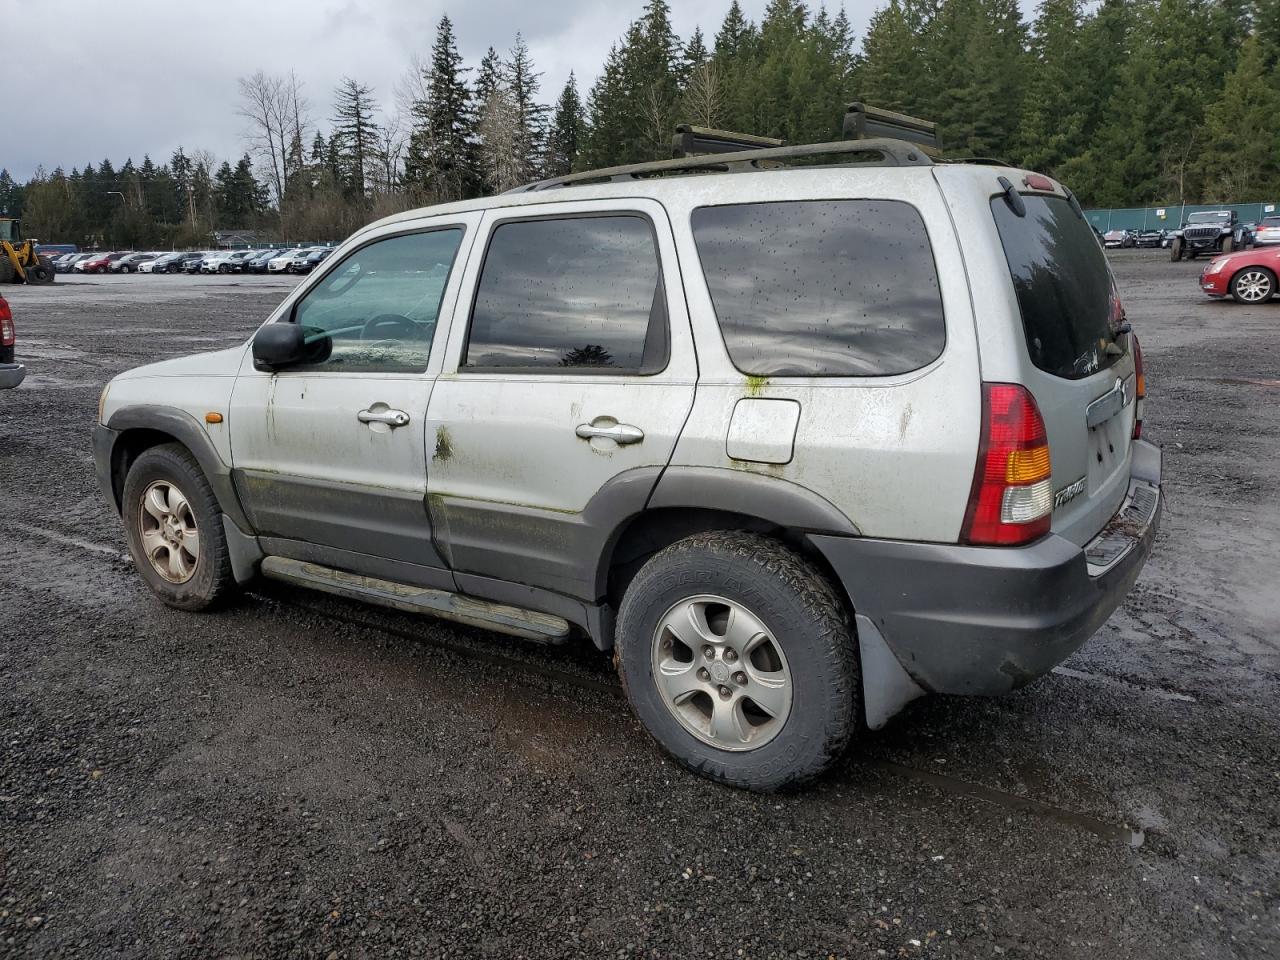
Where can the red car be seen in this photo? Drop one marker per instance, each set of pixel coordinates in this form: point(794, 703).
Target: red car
point(1248, 276)
point(11, 373)
point(103, 263)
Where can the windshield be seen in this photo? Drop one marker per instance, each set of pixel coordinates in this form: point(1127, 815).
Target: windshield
point(1065, 292)
point(1208, 217)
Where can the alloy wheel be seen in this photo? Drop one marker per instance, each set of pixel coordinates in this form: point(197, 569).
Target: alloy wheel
point(170, 538)
point(721, 673)
point(1253, 286)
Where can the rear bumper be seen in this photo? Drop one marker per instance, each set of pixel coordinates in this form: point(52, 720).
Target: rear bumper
point(982, 620)
point(11, 374)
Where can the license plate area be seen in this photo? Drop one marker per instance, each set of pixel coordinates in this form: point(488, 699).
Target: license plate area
point(1107, 448)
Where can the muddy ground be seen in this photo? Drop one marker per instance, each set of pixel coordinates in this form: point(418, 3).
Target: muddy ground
point(299, 776)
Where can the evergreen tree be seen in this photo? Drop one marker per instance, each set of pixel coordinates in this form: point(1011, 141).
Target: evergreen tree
point(1056, 106)
point(694, 56)
point(522, 83)
point(606, 126)
point(890, 74)
point(736, 34)
point(355, 134)
point(489, 76)
point(10, 196)
point(441, 158)
point(978, 47)
point(633, 104)
point(1241, 159)
point(567, 131)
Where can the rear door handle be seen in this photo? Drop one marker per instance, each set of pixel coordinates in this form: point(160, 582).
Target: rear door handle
point(392, 418)
point(606, 427)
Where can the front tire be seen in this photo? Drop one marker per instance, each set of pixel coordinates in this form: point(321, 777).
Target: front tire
point(174, 529)
point(739, 658)
point(1228, 244)
point(1253, 285)
point(1175, 249)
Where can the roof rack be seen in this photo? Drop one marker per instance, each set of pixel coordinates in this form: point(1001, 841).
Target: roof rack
point(892, 153)
point(863, 122)
point(692, 141)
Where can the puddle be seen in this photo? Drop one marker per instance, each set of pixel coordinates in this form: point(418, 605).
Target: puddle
point(1100, 828)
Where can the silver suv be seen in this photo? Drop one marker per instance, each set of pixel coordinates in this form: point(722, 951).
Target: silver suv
point(798, 443)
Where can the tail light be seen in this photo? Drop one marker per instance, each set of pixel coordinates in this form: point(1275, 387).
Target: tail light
point(1011, 502)
point(1141, 389)
point(7, 333)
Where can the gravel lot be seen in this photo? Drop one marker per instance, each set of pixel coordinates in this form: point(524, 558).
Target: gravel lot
point(299, 776)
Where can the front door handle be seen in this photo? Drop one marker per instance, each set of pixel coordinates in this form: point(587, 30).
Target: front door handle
point(610, 429)
point(392, 418)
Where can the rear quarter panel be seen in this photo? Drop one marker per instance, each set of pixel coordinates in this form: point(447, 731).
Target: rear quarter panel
point(1005, 358)
point(894, 454)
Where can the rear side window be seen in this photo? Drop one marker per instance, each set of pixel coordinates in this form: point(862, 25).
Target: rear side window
point(1063, 284)
point(829, 288)
point(573, 293)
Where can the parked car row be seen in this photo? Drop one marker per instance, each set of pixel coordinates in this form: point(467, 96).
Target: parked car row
point(1208, 231)
point(276, 260)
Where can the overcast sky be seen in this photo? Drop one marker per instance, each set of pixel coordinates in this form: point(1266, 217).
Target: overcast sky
point(122, 80)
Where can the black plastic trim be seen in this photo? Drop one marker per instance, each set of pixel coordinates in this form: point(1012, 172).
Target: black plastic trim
point(185, 429)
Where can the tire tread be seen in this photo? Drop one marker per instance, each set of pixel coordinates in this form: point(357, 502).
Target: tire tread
point(827, 613)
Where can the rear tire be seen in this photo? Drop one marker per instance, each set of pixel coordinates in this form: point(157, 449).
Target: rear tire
point(174, 268)
point(777, 630)
point(176, 536)
point(1253, 285)
point(1175, 249)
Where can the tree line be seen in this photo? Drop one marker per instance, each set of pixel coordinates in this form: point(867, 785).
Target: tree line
point(1131, 102)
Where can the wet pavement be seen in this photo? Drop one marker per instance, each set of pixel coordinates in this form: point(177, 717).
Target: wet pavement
point(298, 776)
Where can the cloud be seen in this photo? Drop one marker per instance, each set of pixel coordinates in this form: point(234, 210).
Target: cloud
point(145, 77)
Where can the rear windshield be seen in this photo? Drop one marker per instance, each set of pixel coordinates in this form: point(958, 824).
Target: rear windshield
point(824, 288)
point(1063, 284)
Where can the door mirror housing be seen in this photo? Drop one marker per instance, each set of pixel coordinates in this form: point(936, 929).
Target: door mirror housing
point(280, 345)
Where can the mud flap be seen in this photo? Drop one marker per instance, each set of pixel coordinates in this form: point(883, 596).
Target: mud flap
point(243, 550)
point(886, 686)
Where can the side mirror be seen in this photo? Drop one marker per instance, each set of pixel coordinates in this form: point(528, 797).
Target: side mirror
point(279, 345)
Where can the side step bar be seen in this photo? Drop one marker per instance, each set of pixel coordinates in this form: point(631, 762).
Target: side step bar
point(436, 603)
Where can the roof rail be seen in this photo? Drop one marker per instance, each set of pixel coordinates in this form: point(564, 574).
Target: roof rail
point(892, 153)
point(862, 121)
point(692, 141)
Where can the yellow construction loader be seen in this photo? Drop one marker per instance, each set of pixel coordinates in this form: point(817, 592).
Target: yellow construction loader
point(19, 262)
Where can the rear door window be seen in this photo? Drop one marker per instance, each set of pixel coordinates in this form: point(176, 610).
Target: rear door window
point(1064, 287)
point(566, 294)
point(825, 288)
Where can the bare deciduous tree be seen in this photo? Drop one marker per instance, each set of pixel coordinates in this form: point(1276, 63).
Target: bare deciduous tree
point(277, 115)
point(704, 95)
point(390, 152)
point(656, 122)
point(501, 144)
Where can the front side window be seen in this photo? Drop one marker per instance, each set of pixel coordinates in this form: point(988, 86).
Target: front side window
point(570, 294)
point(378, 308)
point(824, 288)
